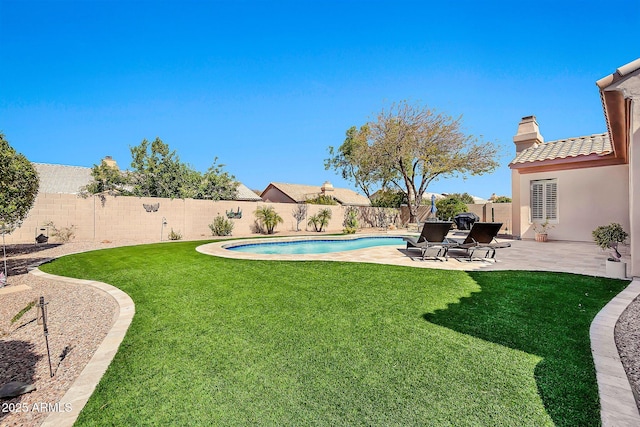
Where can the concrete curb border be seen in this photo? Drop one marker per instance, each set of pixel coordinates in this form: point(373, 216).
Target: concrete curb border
point(83, 386)
point(617, 403)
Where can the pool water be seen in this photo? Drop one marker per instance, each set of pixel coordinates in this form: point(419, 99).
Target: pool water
point(323, 246)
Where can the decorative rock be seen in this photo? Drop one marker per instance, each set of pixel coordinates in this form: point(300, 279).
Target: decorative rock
point(15, 388)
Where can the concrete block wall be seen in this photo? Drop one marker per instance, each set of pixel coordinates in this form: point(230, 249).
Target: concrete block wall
point(126, 218)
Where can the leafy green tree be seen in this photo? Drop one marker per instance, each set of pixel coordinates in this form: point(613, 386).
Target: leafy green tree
point(463, 197)
point(107, 179)
point(18, 186)
point(502, 199)
point(388, 199)
point(354, 160)
point(158, 172)
point(409, 147)
point(268, 217)
point(216, 184)
point(449, 207)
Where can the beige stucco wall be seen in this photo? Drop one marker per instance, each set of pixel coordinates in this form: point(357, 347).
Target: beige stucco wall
point(126, 218)
point(634, 187)
point(501, 213)
point(587, 198)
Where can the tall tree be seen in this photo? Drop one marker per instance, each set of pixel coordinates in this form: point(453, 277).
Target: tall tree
point(18, 186)
point(354, 161)
point(409, 146)
point(216, 184)
point(156, 170)
point(106, 179)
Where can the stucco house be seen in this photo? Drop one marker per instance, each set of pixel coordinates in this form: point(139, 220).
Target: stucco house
point(578, 184)
point(279, 192)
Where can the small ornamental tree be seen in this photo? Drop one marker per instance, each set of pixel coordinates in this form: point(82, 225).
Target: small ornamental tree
point(320, 220)
point(268, 217)
point(18, 186)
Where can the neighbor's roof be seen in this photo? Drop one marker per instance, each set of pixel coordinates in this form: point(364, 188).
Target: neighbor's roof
point(62, 179)
point(246, 194)
point(301, 193)
point(598, 144)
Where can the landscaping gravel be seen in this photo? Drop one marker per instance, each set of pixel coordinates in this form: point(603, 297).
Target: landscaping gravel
point(79, 318)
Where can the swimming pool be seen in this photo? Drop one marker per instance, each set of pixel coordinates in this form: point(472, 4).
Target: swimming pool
point(316, 246)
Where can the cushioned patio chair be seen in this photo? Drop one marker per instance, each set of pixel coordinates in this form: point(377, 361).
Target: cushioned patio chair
point(433, 236)
point(481, 237)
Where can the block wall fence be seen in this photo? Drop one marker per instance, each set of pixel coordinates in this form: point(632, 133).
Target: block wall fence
point(125, 217)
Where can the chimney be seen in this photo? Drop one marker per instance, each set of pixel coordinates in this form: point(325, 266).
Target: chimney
point(326, 187)
point(528, 134)
point(110, 162)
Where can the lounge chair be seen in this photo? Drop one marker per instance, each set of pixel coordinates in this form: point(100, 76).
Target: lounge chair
point(433, 235)
point(481, 237)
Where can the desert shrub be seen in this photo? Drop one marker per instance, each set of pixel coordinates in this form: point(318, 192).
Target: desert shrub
point(350, 220)
point(175, 235)
point(221, 226)
point(299, 213)
point(64, 234)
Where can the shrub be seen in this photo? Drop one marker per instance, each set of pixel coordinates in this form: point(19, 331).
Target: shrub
point(605, 234)
point(221, 226)
point(268, 218)
point(388, 199)
point(64, 234)
point(350, 221)
point(322, 199)
point(175, 235)
point(449, 207)
point(502, 199)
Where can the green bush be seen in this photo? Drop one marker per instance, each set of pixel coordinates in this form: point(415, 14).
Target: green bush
point(388, 199)
point(449, 207)
point(221, 226)
point(322, 199)
point(606, 234)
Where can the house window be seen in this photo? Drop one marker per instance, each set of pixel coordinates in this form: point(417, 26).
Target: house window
point(544, 200)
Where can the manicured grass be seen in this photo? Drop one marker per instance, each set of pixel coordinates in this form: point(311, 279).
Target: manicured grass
point(231, 342)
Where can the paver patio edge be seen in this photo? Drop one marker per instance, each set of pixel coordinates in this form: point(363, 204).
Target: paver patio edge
point(83, 386)
point(617, 404)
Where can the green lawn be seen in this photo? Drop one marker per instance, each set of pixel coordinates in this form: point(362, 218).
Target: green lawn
point(230, 342)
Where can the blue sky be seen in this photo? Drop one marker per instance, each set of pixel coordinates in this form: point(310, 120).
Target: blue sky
point(267, 86)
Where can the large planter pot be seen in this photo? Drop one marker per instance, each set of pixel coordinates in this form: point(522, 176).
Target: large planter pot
point(541, 237)
point(616, 270)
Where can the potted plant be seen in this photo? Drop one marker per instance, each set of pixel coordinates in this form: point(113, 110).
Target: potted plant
point(609, 237)
point(541, 229)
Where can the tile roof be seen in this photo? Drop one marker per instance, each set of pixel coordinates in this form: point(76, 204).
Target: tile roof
point(246, 194)
point(300, 193)
point(62, 179)
point(573, 147)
